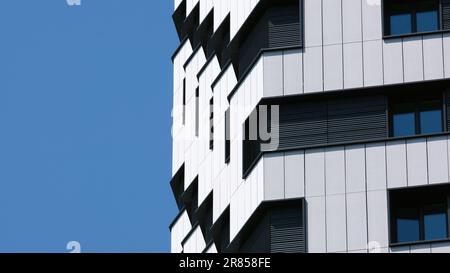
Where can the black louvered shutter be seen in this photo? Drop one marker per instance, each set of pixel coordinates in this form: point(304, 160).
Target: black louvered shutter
point(445, 8)
point(278, 27)
point(354, 119)
point(303, 124)
point(284, 27)
point(287, 232)
point(447, 110)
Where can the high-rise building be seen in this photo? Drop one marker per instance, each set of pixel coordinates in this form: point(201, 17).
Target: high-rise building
point(311, 126)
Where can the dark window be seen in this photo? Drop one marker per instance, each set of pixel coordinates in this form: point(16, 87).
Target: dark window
point(419, 214)
point(190, 199)
point(435, 221)
point(276, 26)
point(220, 40)
point(205, 218)
point(197, 110)
point(277, 227)
point(252, 139)
point(211, 124)
point(420, 115)
point(177, 185)
point(408, 224)
point(184, 101)
point(227, 136)
point(411, 16)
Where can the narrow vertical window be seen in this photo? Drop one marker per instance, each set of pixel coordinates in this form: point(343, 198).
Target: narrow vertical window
point(197, 91)
point(184, 101)
point(227, 136)
point(211, 124)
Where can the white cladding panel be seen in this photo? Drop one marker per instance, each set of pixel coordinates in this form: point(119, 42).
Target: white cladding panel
point(345, 187)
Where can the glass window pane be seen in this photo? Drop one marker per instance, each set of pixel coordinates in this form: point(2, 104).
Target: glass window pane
point(400, 24)
point(404, 124)
point(407, 225)
point(427, 21)
point(430, 121)
point(435, 222)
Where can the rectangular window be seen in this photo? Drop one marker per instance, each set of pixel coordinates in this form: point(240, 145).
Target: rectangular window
point(416, 116)
point(419, 214)
point(184, 101)
point(411, 16)
point(211, 124)
point(227, 136)
point(197, 110)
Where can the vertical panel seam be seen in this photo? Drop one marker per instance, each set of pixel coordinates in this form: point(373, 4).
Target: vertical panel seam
point(322, 46)
point(345, 197)
point(403, 59)
point(366, 194)
point(443, 56)
point(423, 60)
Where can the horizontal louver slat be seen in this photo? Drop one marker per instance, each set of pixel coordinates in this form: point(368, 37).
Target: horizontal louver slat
point(286, 232)
point(445, 14)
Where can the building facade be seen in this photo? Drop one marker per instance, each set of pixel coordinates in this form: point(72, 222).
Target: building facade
point(311, 126)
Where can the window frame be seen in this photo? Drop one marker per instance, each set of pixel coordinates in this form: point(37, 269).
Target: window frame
point(418, 100)
point(385, 21)
point(227, 141)
point(429, 194)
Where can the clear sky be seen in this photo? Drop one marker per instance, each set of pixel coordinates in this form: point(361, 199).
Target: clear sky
point(85, 144)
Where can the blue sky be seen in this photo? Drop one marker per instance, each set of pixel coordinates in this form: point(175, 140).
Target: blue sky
point(85, 145)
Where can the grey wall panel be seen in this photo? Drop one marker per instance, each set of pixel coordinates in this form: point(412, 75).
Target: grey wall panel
point(393, 61)
point(353, 65)
point(294, 174)
point(356, 221)
point(332, 21)
point(355, 168)
point(416, 150)
point(313, 22)
point(413, 59)
point(446, 53)
point(315, 172)
point(333, 67)
point(316, 227)
point(437, 155)
point(396, 164)
point(335, 170)
point(433, 60)
point(373, 62)
point(274, 176)
point(372, 20)
point(376, 166)
point(377, 217)
point(273, 74)
point(352, 20)
point(313, 68)
point(336, 223)
point(293, 72)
